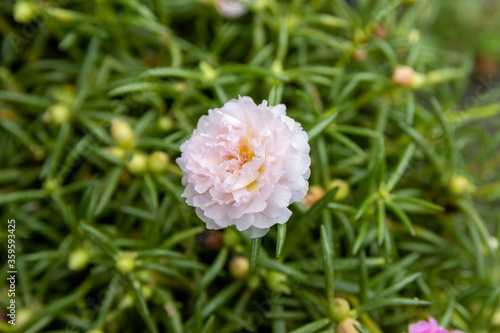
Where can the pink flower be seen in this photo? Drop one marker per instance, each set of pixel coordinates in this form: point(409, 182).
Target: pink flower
point(429, 327)
point(244, 165)
point(230, 8)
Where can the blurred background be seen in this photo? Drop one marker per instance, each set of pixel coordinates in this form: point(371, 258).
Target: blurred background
point(401, 101)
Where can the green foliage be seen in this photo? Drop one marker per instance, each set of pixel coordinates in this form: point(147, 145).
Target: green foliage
point(92, 91)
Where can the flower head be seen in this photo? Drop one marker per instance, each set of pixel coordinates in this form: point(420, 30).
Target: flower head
point(231, 9)
point(244, 165)
point(428, 327)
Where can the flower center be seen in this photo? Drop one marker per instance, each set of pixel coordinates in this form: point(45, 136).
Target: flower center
point(246, 152)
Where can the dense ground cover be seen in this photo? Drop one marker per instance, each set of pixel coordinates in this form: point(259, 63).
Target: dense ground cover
point(400, 104)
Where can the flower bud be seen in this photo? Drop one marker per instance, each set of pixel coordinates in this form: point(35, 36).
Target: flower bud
point(343, 190)
point(125, 263)
point(347, 326)
point(38, 153)
point(58, 114)
point(493, 241)
point(314, 195)
point(360, 55)
point(158, 162)
point(460, 185)
point(210, 239)
point(239, 267)
point(230, 9)
point(165, 124)
point(208, 73)
point(117, 152)
point(277, 282)
point(380, 32)
point(78, 259)
point(24, 12)
point(65, 94)
point(122, 133)
point(50, 185)
point(23, 316)
point(147, 291)
point(126, 301)
point(403, 76)
point(95, 330)
point(230, 237)
point(340, 309)
point(496, 318)
point(414, 36)
point(138, 164)
point(253, 282)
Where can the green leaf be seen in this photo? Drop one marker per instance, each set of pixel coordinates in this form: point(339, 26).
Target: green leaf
point(312, 327)
point(402, 216)
point(389, 302)
point(397, 286)
point(327, 247)
point(381, 227)
point(25, 195)
point(280, 242)
point(219, 299)
point(401, 167)
point(305, 220)
point(173, 315)
point(143, 307)
point(181, 236)
point(100, 239)
point(108, 189)
point(254, 254)
point(214, 270)
point(207, 328)
point(322, 124)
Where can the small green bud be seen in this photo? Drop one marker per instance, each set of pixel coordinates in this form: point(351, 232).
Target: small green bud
point(117, 152)
point(58, 114)
point(414, 36)
point(138, 164)
point(78, 259)
point(95, 330)
point(460, 185)
point(230, 237)
point(208, 73)
point(347, 326)
point(38, 153)
point(496, 318)
point(253, 282)
point(24, 12)
point(493, 242)
point(50, 185)
point(147, 292)
point(343, 190)
point(165, 124)
point(64, 95)
point(126, 301)
point(158, 162)
point(122, 133)
point(340, 309)
point(277, 282)
point(239, 267)
point(277, 67)
point(23, 316)
point(125, 263)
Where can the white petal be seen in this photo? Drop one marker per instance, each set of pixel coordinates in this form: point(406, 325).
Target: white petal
point(254, 232)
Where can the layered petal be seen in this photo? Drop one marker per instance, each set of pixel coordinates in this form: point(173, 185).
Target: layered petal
point(244, 165)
